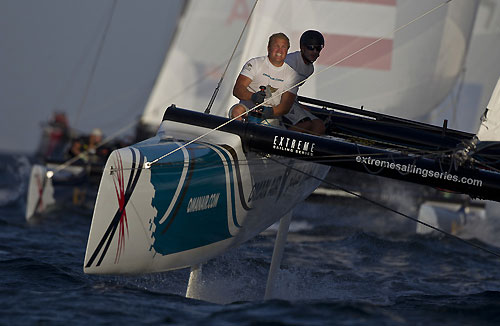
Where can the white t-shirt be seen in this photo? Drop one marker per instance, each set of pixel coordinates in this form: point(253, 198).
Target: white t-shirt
point(295, 61)
point(276, 79)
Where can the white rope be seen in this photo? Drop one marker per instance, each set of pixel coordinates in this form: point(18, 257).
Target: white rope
point(85, 153)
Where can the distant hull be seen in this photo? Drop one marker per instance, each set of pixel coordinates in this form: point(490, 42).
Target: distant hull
point(50, 190)
point(193, 204)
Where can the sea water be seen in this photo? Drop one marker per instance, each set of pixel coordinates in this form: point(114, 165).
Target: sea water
point(344, 264)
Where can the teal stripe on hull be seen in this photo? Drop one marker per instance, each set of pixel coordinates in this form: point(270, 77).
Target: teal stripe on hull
point(233, 185)
point(199, 214)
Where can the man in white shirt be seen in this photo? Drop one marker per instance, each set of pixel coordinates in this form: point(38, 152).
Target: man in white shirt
point(270, 72)
point(298, 118)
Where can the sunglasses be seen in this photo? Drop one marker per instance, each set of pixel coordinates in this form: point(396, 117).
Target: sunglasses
point(314, 47)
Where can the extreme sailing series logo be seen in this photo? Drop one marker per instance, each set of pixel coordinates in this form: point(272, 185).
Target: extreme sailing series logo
point(422, 172)
point(293, 145)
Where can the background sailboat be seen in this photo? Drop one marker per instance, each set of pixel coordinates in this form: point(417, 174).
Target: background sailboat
point(95, 65)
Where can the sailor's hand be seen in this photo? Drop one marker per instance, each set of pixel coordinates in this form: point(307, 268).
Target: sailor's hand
point(258, 97)
point(267, 112)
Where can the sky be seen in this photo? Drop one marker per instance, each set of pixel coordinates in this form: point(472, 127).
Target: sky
point(48, 50)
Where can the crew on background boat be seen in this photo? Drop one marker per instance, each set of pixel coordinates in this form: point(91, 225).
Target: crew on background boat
point(95, 138)
point(97, 153)
point(299, 118)
point(262, 78)
point(55, 137)
point(90, 148)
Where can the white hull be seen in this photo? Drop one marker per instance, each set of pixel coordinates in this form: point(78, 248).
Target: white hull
point(40, 195)
point(192, 205)
point(451, 217)
point(51, 189)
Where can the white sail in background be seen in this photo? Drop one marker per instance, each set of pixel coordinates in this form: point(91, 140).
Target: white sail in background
point(471, 96)
point(489, 130)
point(406, 74)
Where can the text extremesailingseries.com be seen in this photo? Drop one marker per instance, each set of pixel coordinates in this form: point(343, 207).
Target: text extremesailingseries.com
point(424, 173)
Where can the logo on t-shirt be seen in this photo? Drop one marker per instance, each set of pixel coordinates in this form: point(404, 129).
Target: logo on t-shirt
point(271, 89)
point(272, 78)
point(248, 67)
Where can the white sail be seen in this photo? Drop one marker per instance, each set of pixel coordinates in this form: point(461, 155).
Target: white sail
point(203, 43)
point(407, 73)
point(489, 130)
point(467, 100)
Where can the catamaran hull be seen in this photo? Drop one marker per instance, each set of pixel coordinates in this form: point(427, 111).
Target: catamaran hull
point(71, 188)
point(191, 205)
point(40, 195)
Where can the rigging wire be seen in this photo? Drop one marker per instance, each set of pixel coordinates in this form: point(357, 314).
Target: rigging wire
point(376, 41)
point(216, 91)
point(84, 154)
point(94, 65)
point(469, 243)
point(340, 158)
point(69, 83)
